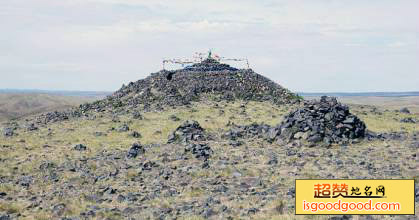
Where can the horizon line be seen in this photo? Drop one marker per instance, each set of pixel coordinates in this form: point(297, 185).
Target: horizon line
point(338, 93)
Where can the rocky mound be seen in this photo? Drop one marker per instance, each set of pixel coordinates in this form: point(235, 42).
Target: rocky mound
point(325, 120)
point(180, 87)
point(316, 121)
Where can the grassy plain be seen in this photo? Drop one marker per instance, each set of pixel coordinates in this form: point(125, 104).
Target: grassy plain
point(61, 175)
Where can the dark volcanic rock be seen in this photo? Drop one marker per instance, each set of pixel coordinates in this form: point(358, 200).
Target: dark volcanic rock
point(405, 110)
point(135, 149)
point(59, 209)
point(325, 120)
point(135, 134)
point(8, 132)
point(137, 115)
point(188, 131)
point(201, 151)
point(99, 133)
point(316, 121)
point(31, 127)
point(25, 181)
point(174, 118)
point(80, 147)
point(408, 120)
point(123, 128)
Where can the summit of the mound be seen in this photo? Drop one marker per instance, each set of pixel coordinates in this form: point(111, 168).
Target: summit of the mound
point(207, 78)
point(210, 64)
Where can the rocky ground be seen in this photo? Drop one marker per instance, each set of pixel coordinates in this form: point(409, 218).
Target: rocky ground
point(160, 166)
point(213, 158)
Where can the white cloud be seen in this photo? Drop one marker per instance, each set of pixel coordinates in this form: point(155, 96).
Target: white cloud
point(298, 43)
point(397, 44)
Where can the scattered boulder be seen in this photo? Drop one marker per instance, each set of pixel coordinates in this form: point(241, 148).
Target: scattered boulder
point(148, 165)
point(135, 134)
point(252, 211)
point(137, 115)
point(31, 127)
point(188, 131)
point(273, 160)
point(59, 209)
point(135, 149)
point(45, 166)
point(174, 118)
point(25, 181)
point(80, 147)
point(325, 120)
point(405, 110)
point(123, 128)
point(201, 151)
point(8, 132)
point(99, 133)
point(408, 120)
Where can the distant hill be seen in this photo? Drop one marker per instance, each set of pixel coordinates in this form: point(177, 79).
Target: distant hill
point(16, 105)
point(349, 94)
point(56, 92)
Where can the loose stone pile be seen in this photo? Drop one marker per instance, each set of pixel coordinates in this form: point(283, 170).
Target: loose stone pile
point(188, 131)
point(193, 137)
point(317, 121)
point(201, 151)
point(405, 110)
point(325, 120)
point(8, 132)
point(80, 147)
point(408, 120)
point(135, 149)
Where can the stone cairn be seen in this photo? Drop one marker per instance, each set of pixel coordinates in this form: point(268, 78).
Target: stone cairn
point(325, 120)
point(187, 132)
point(316, 121)
point(192, 135)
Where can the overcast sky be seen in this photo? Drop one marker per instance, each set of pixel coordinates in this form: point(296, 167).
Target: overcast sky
point(305, 45)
